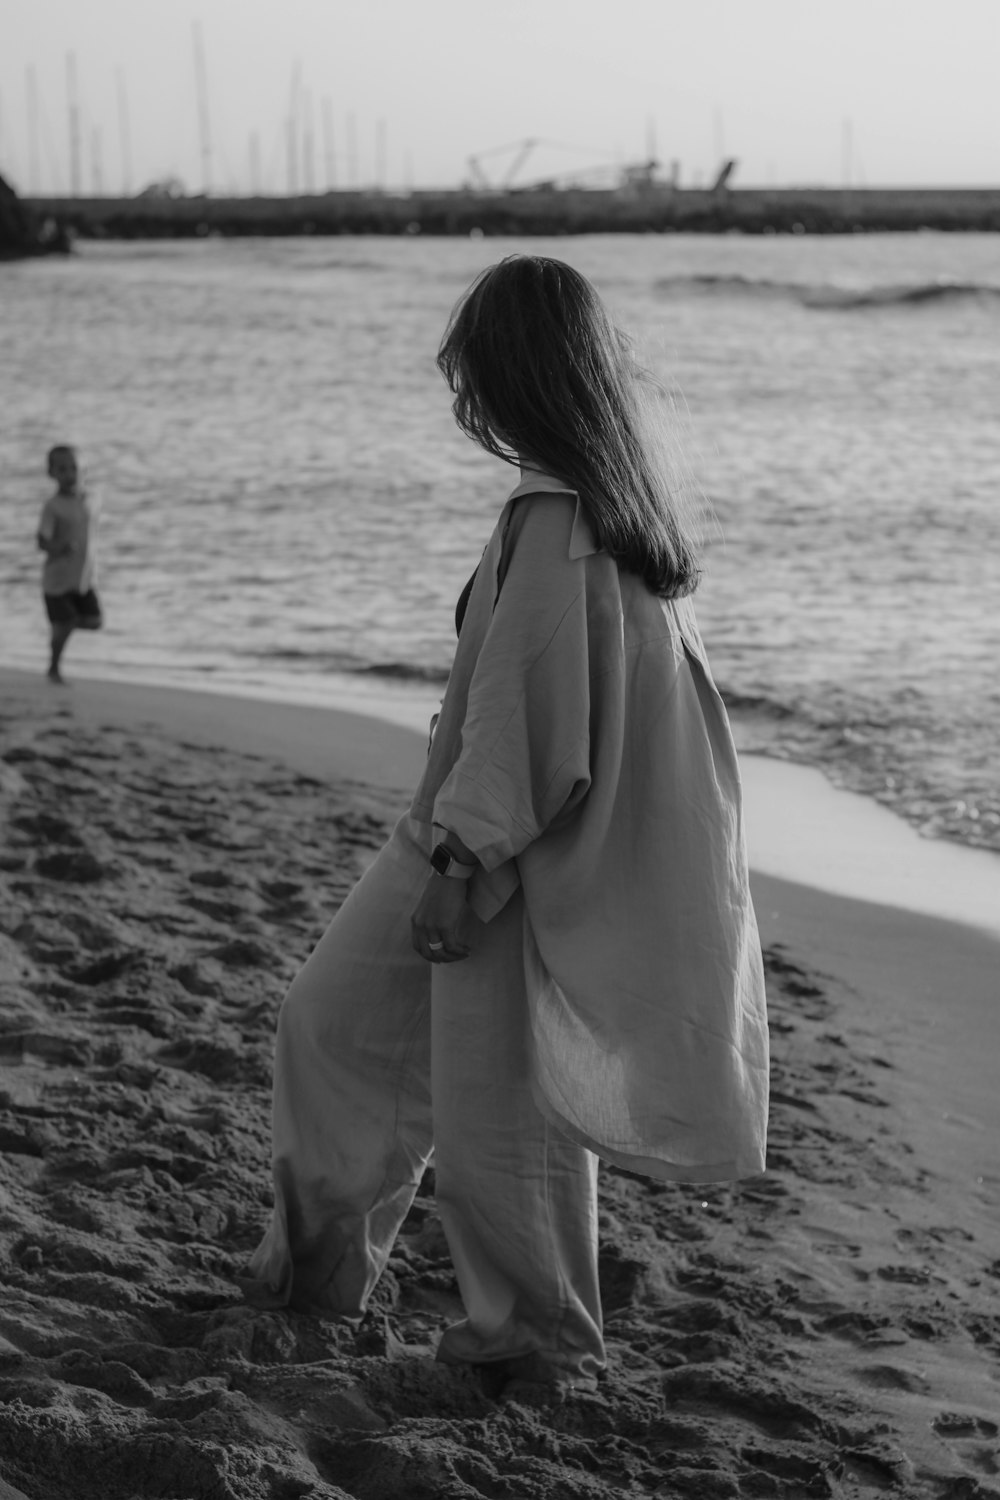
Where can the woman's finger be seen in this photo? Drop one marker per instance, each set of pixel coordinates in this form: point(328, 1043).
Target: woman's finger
point(422, 940)
point(447, 953)
point(451, 954)
point(438, 947)
point(427, 941)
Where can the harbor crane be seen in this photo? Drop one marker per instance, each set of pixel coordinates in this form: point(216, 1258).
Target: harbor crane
point(724, 173)
point(630, 175)
point(522, 149)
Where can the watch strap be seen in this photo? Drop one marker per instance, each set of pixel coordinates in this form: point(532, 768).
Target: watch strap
point(443, 862)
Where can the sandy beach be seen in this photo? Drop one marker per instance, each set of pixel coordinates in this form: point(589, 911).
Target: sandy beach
point(167, 861)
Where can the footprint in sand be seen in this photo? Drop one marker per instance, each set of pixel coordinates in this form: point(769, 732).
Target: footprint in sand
point(217, 880)
point(219, 911)
point(793, 979)
point(109, 966)
point(211, 1118)
point(885, 1377)
point(95, 934)
point(964, 1434)
point(30, 1139)
point(76, 866)
point(114, 1378)
point(47, 828)
point(910, 1275)
point(932, 1239)
point(190, 978)
point(244, 953)
point(964, 1424)
point(74, 1052)
point(862, 1327)
point(829, 1242)
point(214, 1059)
point(144, 1017)
point(281, 890)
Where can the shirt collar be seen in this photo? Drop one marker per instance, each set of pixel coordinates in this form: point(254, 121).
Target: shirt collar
point(582, 542)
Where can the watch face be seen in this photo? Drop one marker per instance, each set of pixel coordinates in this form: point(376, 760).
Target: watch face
point(440, 859)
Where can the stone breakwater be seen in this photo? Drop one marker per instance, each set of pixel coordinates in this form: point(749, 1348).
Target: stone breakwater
point(24, 232)
point(535, 211)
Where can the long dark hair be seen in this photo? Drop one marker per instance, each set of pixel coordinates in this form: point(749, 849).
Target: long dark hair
point(538, 369)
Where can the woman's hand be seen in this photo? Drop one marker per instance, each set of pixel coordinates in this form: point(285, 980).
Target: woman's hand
point(442, 922)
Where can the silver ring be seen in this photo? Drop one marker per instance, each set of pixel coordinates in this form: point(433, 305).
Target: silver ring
point(435, 947)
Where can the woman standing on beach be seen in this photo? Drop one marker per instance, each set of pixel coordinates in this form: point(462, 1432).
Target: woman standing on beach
point(554, 958)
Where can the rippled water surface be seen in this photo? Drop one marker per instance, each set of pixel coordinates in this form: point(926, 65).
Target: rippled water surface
point(287, 500)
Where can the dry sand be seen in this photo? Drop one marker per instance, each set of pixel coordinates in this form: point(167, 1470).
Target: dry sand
point(830, 1329)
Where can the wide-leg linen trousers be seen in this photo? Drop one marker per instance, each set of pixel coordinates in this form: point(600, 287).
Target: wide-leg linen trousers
point(382, 1058)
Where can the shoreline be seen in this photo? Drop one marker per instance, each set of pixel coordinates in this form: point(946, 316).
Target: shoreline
point(169, 859)
point(835, 877)
point(801, 828)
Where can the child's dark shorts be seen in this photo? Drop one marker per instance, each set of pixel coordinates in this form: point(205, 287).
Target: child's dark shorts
point(82, 610)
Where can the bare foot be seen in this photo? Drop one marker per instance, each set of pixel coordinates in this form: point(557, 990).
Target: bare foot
point(54, 675)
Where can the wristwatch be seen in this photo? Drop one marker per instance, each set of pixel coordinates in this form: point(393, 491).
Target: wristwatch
point(443, 862)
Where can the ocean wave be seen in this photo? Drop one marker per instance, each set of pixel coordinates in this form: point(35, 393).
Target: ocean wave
point(827, 296)
point(338, 263)
point(402, 671)
point(898, 296)
point(877, 754)
point(755, 703)
point(349, 666)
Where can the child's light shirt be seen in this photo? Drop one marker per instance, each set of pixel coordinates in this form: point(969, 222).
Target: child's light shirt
point(70, 522)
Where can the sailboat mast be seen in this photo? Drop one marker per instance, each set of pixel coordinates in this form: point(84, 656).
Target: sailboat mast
point(329, 159)
point(308, 144)
point(292, 163)
point(352, 150)
point(73, 105)
point(96, 162)
point(124, 134)
point(254, 151)
point(34, 169)
point(381, 154)
point(846, 150)
point(201, 84)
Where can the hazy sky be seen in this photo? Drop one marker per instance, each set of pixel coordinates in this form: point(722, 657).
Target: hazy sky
point(817, 91)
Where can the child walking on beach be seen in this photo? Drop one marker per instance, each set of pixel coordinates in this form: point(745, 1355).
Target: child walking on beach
point(66, 536)
point(554, 959)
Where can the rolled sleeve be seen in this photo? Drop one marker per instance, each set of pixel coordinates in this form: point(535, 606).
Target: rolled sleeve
point(525, 758)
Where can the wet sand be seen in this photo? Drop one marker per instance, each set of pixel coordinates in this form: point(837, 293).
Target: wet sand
point(167, 861)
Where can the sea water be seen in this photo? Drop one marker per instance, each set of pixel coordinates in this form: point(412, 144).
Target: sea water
point(287, 504)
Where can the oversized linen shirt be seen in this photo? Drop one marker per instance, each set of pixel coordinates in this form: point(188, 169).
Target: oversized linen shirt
point(583, 753)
